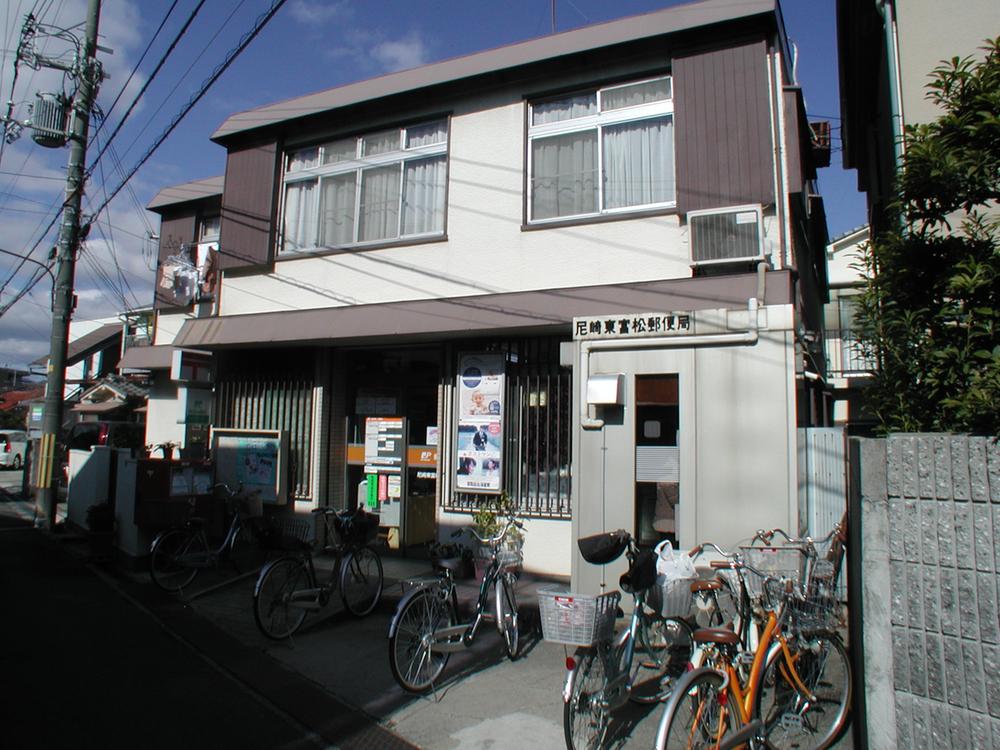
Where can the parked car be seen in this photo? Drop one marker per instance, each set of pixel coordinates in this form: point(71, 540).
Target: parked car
point(13, 445)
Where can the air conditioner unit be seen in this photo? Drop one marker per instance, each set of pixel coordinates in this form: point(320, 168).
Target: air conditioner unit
point(726, 235)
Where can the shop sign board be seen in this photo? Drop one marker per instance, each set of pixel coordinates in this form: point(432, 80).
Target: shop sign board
point(632, 325)
point(479, 432)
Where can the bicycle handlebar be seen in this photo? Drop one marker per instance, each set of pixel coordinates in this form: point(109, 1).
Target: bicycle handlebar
point(696, 551)
point(511, 522)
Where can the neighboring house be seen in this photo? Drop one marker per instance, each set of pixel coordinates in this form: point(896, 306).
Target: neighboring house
point(599, 249)
point(888, 50)
point(847, 367)
point(186, 275)
point(93, 360)
point(93, 352)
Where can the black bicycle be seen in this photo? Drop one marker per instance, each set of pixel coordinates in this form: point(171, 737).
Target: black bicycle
point(425, 630)
point(178, 553)
point(288, 588)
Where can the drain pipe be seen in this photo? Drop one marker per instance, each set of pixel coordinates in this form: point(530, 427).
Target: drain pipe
point(748, 337)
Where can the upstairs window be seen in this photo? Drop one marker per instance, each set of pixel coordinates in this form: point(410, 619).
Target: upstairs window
point(602, 151)
point(378, 187)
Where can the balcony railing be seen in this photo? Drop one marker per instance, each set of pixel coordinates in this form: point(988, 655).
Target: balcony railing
point(844, 357)
point(134, 340)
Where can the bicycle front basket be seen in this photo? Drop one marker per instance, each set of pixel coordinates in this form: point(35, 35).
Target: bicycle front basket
point(577, 619)
point(359, 528)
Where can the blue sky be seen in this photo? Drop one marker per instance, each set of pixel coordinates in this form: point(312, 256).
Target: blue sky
point(310, 45)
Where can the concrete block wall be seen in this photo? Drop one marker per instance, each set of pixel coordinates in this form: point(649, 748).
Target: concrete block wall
point(930, 562)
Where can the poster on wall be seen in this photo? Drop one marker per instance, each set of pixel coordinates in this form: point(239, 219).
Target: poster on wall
point(479, 446)
point(254, 458)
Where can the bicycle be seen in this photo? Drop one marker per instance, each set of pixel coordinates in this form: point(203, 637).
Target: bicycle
point(178, 553)
point(604, 672)
point(425, 630)
point(288, 588)
point(798, 688)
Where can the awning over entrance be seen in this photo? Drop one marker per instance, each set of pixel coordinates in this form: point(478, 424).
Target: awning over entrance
point(459, 316)
point(146, 358)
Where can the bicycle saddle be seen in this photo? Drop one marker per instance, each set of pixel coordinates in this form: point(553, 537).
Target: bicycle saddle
point(713, 585)
point(454, 564)
point(722, 636)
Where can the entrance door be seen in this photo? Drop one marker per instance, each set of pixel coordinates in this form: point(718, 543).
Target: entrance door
point(657, 458)
point(636, 471)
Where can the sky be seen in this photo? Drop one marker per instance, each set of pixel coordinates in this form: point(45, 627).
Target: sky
point(308, 46)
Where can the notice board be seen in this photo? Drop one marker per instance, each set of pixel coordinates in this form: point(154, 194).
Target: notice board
point(257, 459)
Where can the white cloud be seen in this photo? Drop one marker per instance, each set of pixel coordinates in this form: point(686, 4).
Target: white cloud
point(400, 54)
point(316, 13)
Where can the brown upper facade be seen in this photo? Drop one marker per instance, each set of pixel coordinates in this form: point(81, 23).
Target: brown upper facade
point(642, 119)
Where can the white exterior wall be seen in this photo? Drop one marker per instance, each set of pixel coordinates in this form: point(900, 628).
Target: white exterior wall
point(930, 31)
point(738, 462)
point(163, 412)
point(547, 543)
point(168, 325)
point(487, 251)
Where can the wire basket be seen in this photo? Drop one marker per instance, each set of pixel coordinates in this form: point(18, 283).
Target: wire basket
point(670, 597)
point(784, 563)
point(577, 619)
point(818, 611)
point(510, 554)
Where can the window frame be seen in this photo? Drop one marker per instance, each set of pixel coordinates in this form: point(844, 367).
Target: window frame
point(401, 157)
point(598, 122)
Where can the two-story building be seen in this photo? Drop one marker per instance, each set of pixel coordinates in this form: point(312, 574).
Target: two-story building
point(583, 270)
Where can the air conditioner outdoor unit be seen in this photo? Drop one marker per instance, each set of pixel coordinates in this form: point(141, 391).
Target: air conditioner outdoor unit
point(726, 235)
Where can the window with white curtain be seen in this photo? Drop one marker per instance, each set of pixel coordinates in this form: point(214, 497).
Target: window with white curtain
point(602, 151)
point(375, 187)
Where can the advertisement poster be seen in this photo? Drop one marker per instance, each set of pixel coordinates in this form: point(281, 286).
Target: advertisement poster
point(480, 423)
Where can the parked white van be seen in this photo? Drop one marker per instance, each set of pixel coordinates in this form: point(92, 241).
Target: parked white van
point(13, 444)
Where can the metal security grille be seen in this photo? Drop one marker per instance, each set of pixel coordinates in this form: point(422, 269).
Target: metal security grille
point(252, 394)
point(538, 425)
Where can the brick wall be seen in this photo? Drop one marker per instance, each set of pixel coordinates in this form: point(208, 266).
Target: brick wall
point(930, 514)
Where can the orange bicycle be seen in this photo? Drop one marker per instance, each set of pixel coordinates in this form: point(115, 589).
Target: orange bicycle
point(797, 691)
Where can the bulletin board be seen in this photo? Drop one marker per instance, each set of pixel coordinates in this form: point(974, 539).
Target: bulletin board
point(257, 459)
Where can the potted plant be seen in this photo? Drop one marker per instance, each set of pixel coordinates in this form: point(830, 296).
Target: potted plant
point(488, 520)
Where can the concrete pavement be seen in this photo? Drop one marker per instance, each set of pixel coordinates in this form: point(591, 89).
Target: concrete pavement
point(332, 679)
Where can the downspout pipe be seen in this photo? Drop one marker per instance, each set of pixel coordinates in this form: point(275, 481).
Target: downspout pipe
point(748, 337)
point(886, 9)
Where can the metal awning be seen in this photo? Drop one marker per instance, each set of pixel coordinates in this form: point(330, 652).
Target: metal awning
point(507, 314)
point(146, 358)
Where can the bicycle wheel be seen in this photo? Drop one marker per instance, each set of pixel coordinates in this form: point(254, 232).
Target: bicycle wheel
point(361, 581)
point(662, 654)
point(790, 719)
point(507, 612)
point(245, 551)
point(699, 714)
point(172, 555)
point(585, 714)
point(276, 616)
point(415, 667)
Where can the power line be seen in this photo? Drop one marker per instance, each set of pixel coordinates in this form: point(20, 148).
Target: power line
point(142, 91)
point(259, 24)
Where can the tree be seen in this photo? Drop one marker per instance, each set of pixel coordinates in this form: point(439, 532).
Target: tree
point(929, 313)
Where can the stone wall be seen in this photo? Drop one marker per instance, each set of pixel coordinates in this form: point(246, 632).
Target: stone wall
point(930, 555)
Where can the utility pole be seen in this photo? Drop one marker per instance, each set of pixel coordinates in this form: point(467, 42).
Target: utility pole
point(63, 298)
